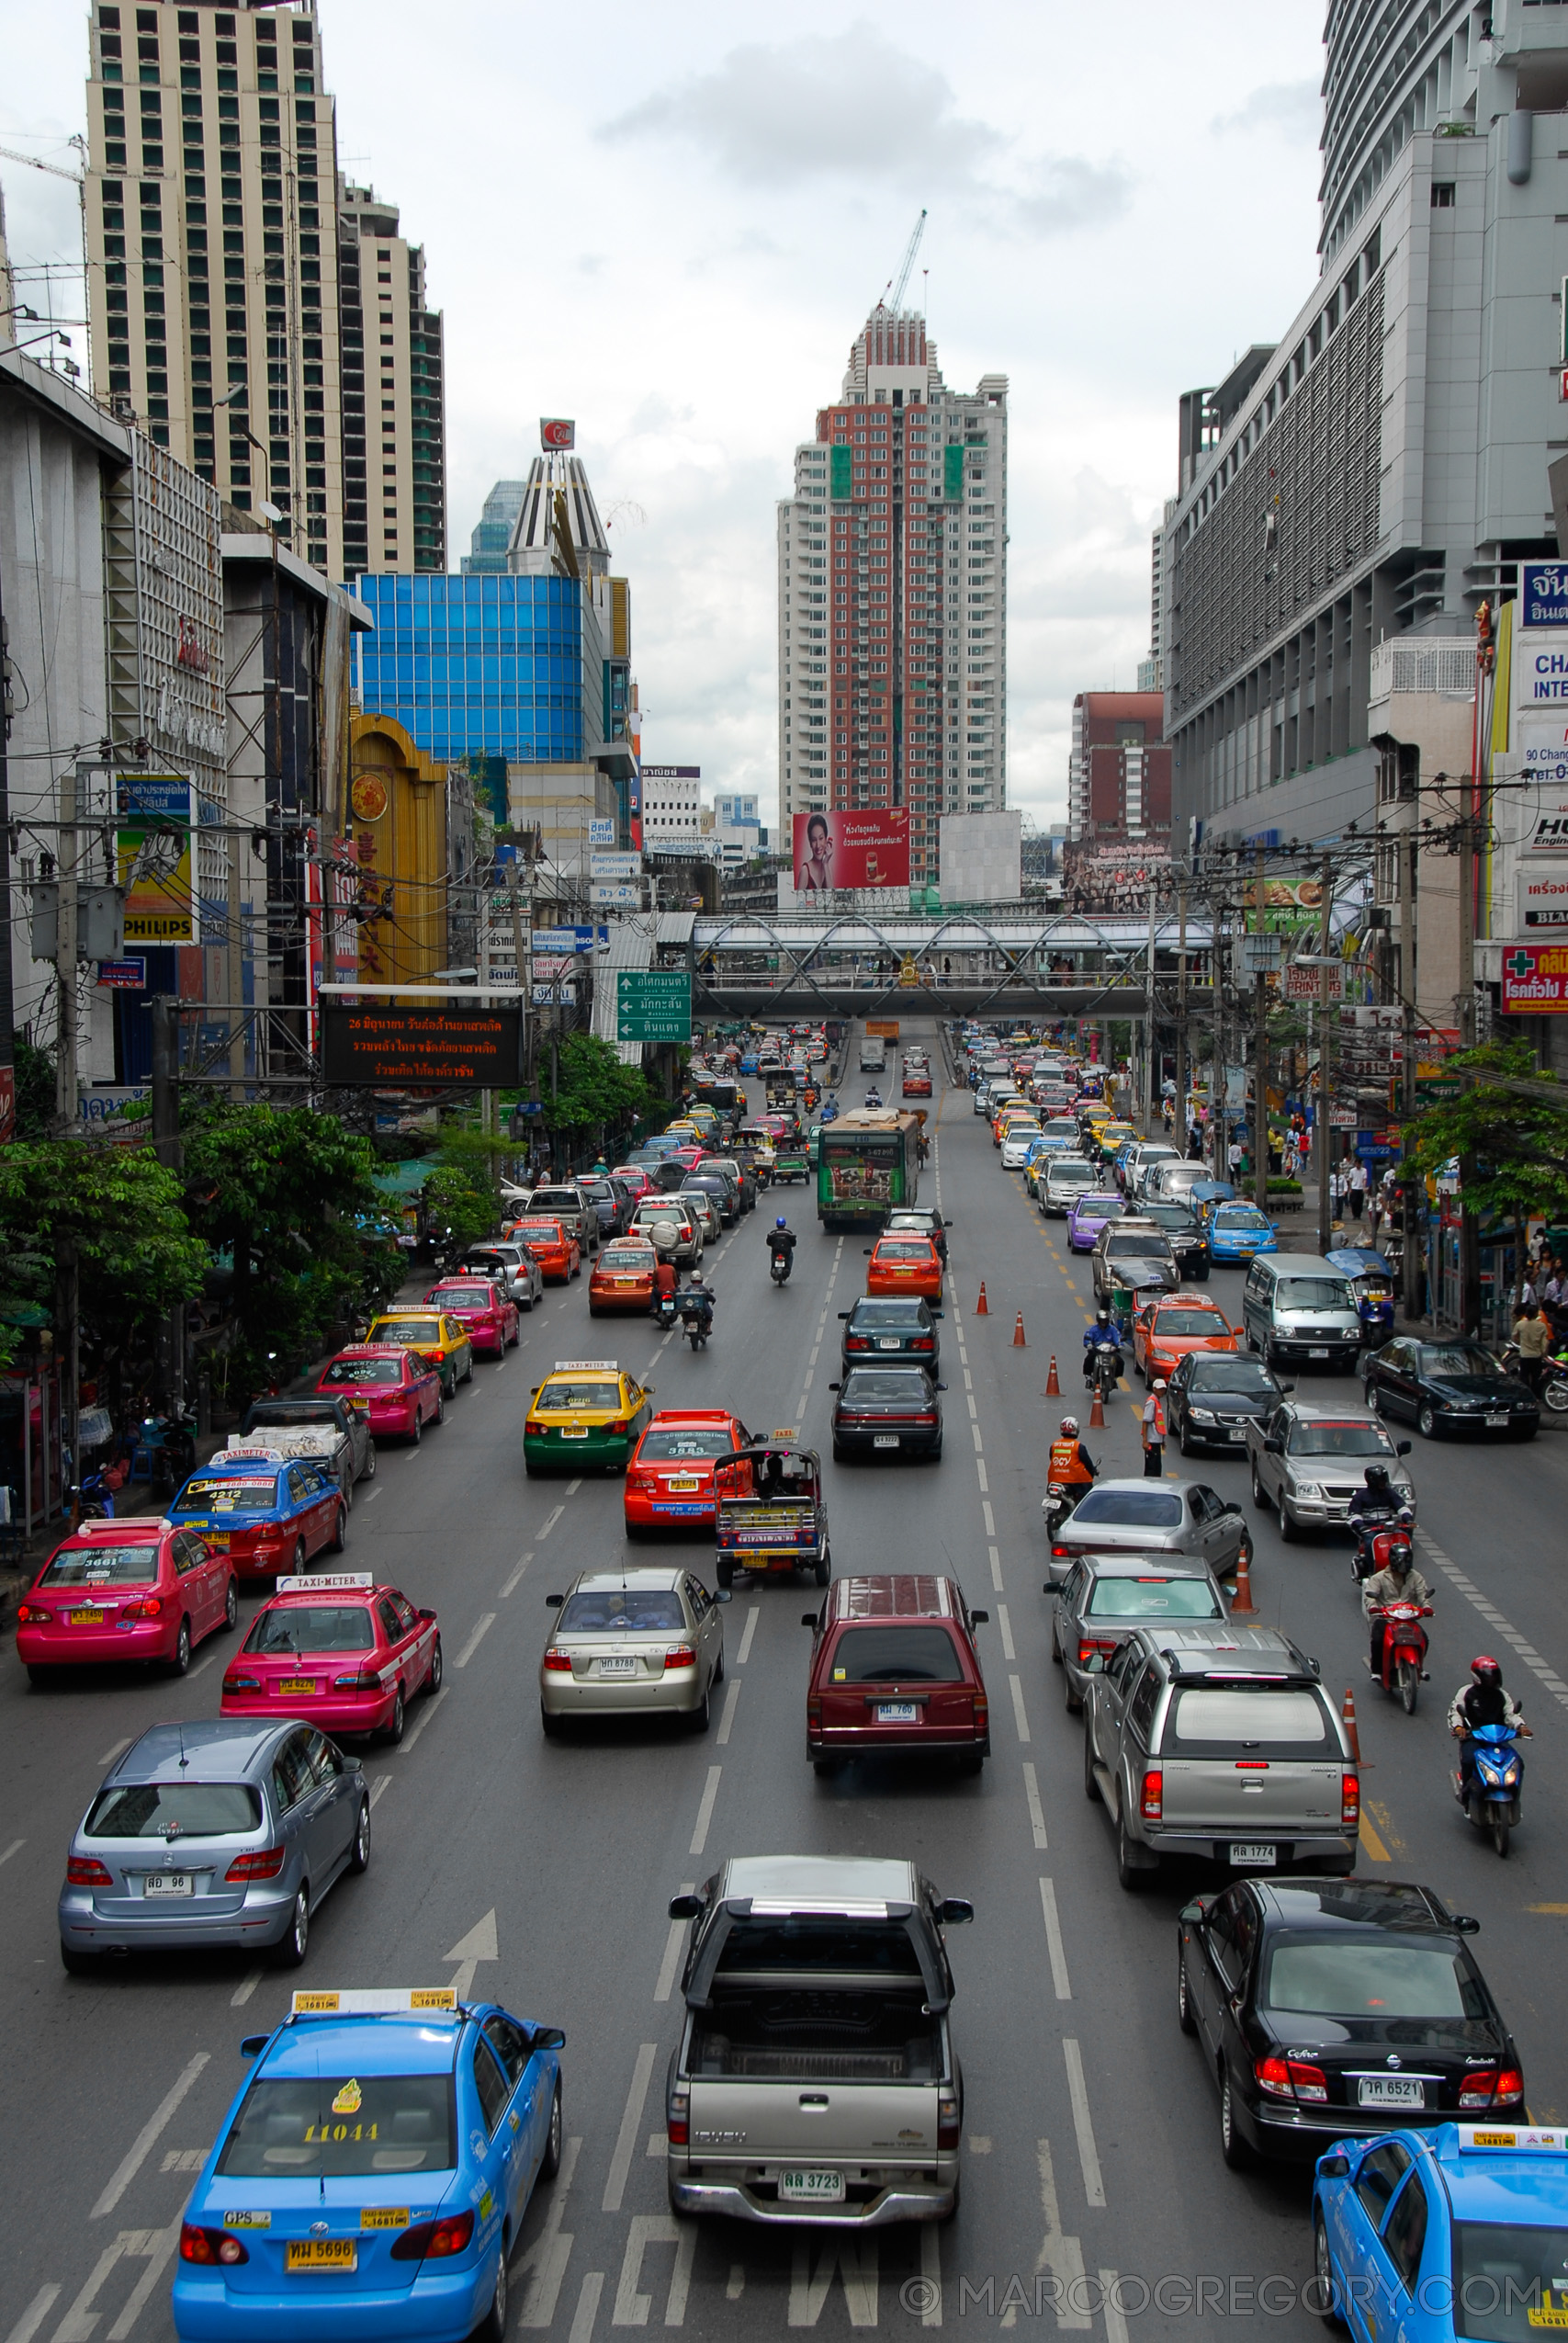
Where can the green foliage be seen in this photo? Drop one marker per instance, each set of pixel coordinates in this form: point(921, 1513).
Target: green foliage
point(121, 1210)
point(597, 1093)
point(1518, 1143)
point(34, 1070)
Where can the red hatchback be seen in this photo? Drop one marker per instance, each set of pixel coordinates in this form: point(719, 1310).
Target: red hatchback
point(338, 1649)
point(670, 1479)
point(400, 1391)
point(895, 1672)
point(118, 1591)
point(490, 1321)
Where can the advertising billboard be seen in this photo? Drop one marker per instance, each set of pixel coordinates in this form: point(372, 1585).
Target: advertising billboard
point(152, 858)
point(982, 857)
point(393, 1048)
point(1543, 902)
point(1535, 980)
point(868, 847)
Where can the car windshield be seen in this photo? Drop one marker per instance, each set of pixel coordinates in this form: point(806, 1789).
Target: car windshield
point(187, 1809)
point(1339, 1439)
point(1147, 1244)
point(104, 1566)
point(540, 1232)
point(866, 1386)
point(331, 2126)
point(885, 1252)
point(1130, 1509)
point(290, 1411)
point(364, 1370)
point(461, 1297)
point(1229, 1373)
point(889, 1655)
point(1173, 1216)
point(407, 1329)
point(556, 1200)
point(622, 1611)
point(1099, 1207)
point(228, 1496)
point(1312, 1294)
point(1370, 1976)
point(634, 1262)
point(1210, 1322)
point(1239, 1216)
point(1261, 1713)
point(312, 1626)
point(1513, 2281)
point(560, 1399)
point(1458, 1358)
point(894, 1312)
point(659, 1447)
point(808, 1942)
point(1153, 1598)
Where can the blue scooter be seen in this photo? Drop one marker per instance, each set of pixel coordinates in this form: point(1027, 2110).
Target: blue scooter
point(1491, 1797)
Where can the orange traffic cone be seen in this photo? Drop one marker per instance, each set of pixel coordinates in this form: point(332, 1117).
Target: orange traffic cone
point(1242, 1604)
point(1351, 1732)
point(982, 1307)
point(1097, 1411)
point(1053, 1385)
point(1018, 1342)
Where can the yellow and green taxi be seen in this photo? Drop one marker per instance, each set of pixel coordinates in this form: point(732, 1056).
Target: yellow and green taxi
point(586, 1413)
point(442, 1342)
point(1109, 1136)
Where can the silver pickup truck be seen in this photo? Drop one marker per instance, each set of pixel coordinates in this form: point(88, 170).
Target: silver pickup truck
point(815, 2080)
point(1216, 1739)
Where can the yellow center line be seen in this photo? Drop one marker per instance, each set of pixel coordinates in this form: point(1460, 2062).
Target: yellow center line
point(1379, 1853)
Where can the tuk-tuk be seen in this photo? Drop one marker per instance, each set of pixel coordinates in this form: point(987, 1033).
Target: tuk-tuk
point(781, 1095)
point(793, 1161)
point(1371, 1279)
point(768, 1514)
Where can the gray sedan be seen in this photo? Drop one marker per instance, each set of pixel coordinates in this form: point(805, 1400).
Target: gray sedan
point(1163, 1517)
point(1062, 1178)
point(218, 1833)
point(631, 1642)
point(1135, 1254)
point(1307, 1462)
point(1105, 1596)
point(511, 1266)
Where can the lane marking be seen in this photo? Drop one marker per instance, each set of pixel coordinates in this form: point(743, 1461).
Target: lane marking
point(14, 1849)
point(252, 1978)
point(1110, 2303)
point(147, 2138)
point(430, 1708)
point(731, 1695)
point(1036, 1811)
point(1054, 1944)
point(522, 1565)
point(587, 2309)
point(631, 2125)
point(1006, 1625)
point(118, 1750)
point(672, 1961)
point(551, 2250)
point(990, 1523)
point(931, 2270)
point(81, 2318)
point(548, 1525)
point(742, 1657)
point(33, 2317)
point(1019, 1717)
point(980, 1468)
point(1494, 1619)
point(200, 1664)
point(485, 1622)
point(705, 1811)
point(165, 2242)
point(572, 1486)
point(632, 2306)
point(369, 1498)
point(1371, 1842)
point(1088, 2155)
point(382, 1781)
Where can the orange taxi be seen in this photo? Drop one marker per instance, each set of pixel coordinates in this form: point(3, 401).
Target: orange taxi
point(1165, 1329)
point(904, 1264)
point(623, 1276)
point(670, 1479)
point(558, 1252)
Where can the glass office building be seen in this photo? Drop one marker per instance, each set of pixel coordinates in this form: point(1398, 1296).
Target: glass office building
point(509, 667)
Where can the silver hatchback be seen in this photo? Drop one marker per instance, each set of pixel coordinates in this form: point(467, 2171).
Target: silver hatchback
point(220, 1833)
point(1163, 1517)
point(632, 1642)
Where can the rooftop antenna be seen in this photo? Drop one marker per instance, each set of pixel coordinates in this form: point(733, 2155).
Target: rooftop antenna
point(914, 245)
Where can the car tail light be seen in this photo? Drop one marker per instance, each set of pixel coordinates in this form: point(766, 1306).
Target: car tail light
point(1274, 2077)
point(983, 1711)
point(813, 1708)
point(241, 1683)
point(1090, 1644)
point(856, 1343)
point(947, 2119)
point(557, 1663)
point(363, 1680)
point(1308, 2081)
point(434, 2240)
point(1350, 1800)
point(922, 1342)
point(86, 1871)
point(33, 1614)
point(150, 1607)
point(1510, 2087)
point(211, 2245)
point(1477, 2087)
point(679, 1656)
point(1153, 1800)
point(264, 1862)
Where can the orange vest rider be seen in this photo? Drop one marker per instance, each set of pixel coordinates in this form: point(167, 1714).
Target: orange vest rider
point(1068, 1464)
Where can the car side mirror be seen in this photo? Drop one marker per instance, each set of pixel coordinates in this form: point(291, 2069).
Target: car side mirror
point(252, 2045)
point(553, 1601)
point(1466, 1924)
point(1273, 1444)
point(867, 1249)
point(351, 1764)
point(685, 1907)
point(942, 1387)
point(1402, 1448)
point(429, 1617)
point(980, 1618)
point(549, 2038)
point(1095, 1664)
point(1192, 1914)
point(843, 1313)
point(938, 1312)
point(835, 1386)
point(808, 1619)
point(1284, 1387)
point(955, 1912)
point(1333, 2167)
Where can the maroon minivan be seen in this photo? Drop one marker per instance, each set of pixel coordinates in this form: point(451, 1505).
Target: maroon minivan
point(895, 1672)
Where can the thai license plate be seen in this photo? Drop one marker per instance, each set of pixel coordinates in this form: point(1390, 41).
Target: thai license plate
point(1256, 1852)
point(680, 1483)
point(216, 1538)
point(888, 1342)
point(1495, 1423)
point(896, 1713)
point(572, 1431)
point(1392, 2090)
point(627, 1280)
point(1238, 1435)
point(617, 1668)
point(85, 1618)
point(169, 1883)
point(1322, 1353)
point(321, 2252)
point(297, 1683)
point(884, 1440)
point(812, 2187)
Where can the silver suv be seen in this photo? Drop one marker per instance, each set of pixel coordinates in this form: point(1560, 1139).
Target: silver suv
point(578, 1214)
point(1307, 1462)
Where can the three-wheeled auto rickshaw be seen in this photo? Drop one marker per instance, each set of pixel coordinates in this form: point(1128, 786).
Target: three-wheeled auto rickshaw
point(769, 1512)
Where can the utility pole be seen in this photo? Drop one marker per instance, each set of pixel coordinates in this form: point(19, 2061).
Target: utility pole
point(1259, 1050)
point(1323, 1132)
point(236, 978)
point(1469, 1247)
point(1219, 1102)
point(167, 1146)
point(1149, 1078)
point(65, 1098)
point(1410, 1271)
point(1179, 1125)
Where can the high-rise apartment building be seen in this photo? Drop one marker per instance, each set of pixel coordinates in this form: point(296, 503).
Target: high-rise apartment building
point(1119, 771)
point(216, 270)
point(486, 557)
point(893, 594)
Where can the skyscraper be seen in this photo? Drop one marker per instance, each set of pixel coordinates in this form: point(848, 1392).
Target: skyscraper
point(215, 259)
point(893, 595)
point(486, 557)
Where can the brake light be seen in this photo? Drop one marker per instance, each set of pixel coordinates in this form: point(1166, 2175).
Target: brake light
point(678, 2117)
point(679, 1656)
point(33, 1614)
point(434, 2240)
point(1350, 1800)
point(1274, 2077)
point(1153, 1795)
point(86, 1871)
point(363, 1680)
point(982, 1711)
point(264, 1862)
point(241, 1683)
point(1252, 1765)
point(1088, 1645)
point(643, 1481)
point(929, 1418)
point(148, 1608)
point(813, 1708)
point(922, 1342)
point(211, 2245)
point(1510, 2087)
point(856, 1343)
point(1309, 2081)
point(557, 1663)
point(947, 2120)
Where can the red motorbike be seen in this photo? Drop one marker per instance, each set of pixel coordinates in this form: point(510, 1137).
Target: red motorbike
point(1404, 1648)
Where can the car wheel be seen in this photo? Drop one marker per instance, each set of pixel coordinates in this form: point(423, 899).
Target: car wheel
point(841, 1456)
point(79, 1965)
point(1182, 1442)
point(468, 1377)
point(492, 2327)
point(1071, 1699)
point(550, 2163)
point(1426, 1421)
point(1287, 1527)
point(1325, 2278)
point(724, 1573)
point(392, 1731)
point(1090, 1786)
point(360, 1858)
point(417, 1434)
point(180, 1661)
point(824, 1768)
point(700, 1717)
point(551, 1726)
point(1257, 1496)
point(1184, 2017)
point(1233, 2148)
point(370, 1460)
point(230, 1608)
point(290, 1952)
point(1128, 1875)
point(297, 1567)
point(437, 1670)
point(1055, 1646)
point(822, 1569)
point(440, 1415)
point(340, 1536)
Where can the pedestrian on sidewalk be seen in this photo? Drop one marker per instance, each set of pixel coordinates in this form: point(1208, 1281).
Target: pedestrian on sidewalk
point(1533, 1335)
point(1154, 1432)
point(1355, 1187)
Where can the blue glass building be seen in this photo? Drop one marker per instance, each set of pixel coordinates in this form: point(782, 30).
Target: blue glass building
point(510, 667)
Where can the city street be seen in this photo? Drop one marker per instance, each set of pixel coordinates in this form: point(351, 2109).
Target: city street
point(539, 1872)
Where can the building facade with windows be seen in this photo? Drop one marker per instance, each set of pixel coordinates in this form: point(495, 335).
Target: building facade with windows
point(394, 436)
point(892, 591)
point(486, 557)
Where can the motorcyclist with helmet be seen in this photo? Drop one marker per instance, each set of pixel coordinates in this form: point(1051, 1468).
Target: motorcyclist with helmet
point(1104, 1329)
point(1398, 1581)
point(666, 1278)
point(1070, 1466)
point(1483, 1700)
point(781, 1245)
point(1374, 1506)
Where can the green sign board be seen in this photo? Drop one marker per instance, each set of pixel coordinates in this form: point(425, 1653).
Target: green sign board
point(653, 1004)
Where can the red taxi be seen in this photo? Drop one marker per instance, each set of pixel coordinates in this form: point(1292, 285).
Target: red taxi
point(400, 1393)
point(623, 1277)
point(118, 1591)
point(636, 1177)
point(482, 1311)
point(904, 1264)
point(1164, 1331)
point(917, 1082)
point(339, 1649)
point(558, 1254)
point(895, 1673)
point(670, 1478)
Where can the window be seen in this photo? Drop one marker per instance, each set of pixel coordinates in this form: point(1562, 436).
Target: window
point(509, 2044)
point(291, 1776)
point(1145, 1699)
point(492, 2085)
point(1379, 2176)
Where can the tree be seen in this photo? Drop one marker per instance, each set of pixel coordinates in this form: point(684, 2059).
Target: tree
point(1510, 1135)
point(122, 1212)
point(34, 1074)
point(595, 1091)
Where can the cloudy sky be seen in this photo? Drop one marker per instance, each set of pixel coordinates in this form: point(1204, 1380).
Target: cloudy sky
point(670, 222)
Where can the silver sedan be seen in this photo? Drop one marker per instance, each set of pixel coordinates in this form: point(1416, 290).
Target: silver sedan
point(1308, 1462)
point(632, 1642)
point(1105, 1596)
point(1163, 1517)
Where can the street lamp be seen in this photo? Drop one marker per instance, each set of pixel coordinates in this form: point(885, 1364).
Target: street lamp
point(269, 512)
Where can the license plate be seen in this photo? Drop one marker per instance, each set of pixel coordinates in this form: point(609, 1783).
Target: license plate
point(1254, 1851)
point(169, 1883)
point(896, 1713)
point(297, 1683)
point(686, 1511)
point(85, 1618)
point(888, 1342)
point(884, 1440)
point(1318, 1353)
point(1238, 1435)
point(1495, 1423)
point(1392, 2090)
point(217, 1539)
point(627, 1280)
point(812, 2187)
point(617, 1668)
point(569, 1433)
point(321, 2252)
point(680, 1483)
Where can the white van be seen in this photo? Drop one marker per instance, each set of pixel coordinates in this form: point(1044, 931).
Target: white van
point(1298, 1307)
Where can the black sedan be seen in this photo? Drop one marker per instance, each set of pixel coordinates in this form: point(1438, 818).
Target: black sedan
point(1449, 1387)
point(1188, 1240)
point(897, 1327)
point(1213, 1395)
point(924, 1223)
point(886, 1410)
point(1329, 2007)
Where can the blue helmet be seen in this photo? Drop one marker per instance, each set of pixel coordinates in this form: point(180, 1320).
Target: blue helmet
point(781, 1222)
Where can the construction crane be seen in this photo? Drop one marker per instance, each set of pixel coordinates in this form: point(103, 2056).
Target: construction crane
point(898, 290)
point(78, 180)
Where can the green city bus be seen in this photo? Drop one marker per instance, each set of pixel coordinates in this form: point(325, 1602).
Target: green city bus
point(867, 1162)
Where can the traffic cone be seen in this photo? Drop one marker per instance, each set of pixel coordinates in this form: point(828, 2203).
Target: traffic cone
point(1242, 1604)
point(1097, 1411)
point(982, 1307)
point(1053, 1385)
point(1018, 1342)
point(1348, 1715)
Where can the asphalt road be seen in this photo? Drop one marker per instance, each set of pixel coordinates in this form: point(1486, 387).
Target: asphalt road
point(539, 1874)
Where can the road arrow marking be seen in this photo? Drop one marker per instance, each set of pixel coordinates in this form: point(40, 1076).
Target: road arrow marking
point(479, 1945)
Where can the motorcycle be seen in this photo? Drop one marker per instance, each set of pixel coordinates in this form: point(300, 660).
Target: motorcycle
point(172, 1439)
point(1491, 1798)
point(666, 1311)
point(1553, 1380)
point(1105, 1367)
point(1060, 1499)
point(1404, 1648)
point(778, 1268)
point(696, 1317)
point(1374, 1531)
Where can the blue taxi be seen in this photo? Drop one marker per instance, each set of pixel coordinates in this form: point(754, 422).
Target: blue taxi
point(1236, 1231)
point(267, 1512)
point(371, 2178)
point(1432, 2235)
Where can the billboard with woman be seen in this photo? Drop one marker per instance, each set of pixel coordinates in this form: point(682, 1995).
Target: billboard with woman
point(868, 847)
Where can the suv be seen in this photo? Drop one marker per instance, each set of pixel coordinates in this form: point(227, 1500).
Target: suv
point(670, 1212)
point(1219, 1741)
point(1308, 1463)
point(1299, 1307)
point(576, 1213)
point(1134, 1254)
point(895, 1672)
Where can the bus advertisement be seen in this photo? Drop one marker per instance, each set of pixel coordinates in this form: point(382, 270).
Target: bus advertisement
point(867, 1164)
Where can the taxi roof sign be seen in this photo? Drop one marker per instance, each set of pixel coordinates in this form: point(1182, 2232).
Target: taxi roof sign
point(579, 1367)
point(245, 1456)
point(328, 1581)
point(374, 2001)
point(1521, 2139)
